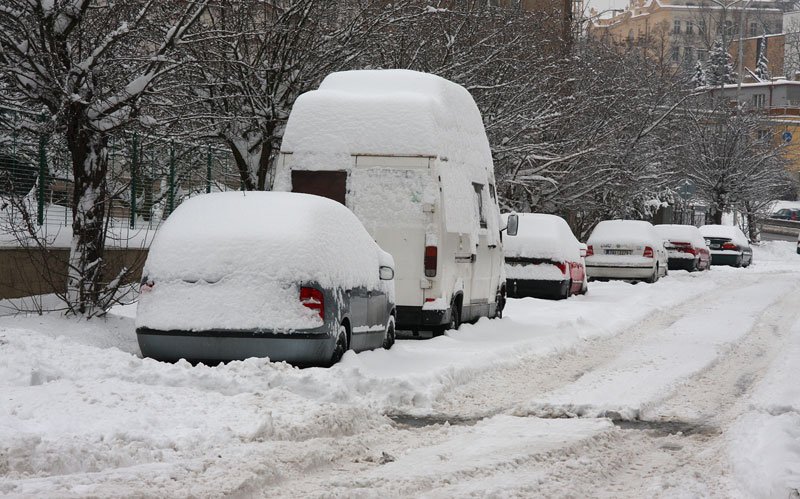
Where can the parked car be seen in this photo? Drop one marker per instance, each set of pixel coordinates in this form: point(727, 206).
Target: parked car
point(787, 214)
point(626, 249)
point(407, 152)
point(686, 247)
point(291, 277)
point(728, 244)
point(545, 260)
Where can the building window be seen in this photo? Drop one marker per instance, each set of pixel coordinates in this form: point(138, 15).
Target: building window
point(764, 135)
point(676, 27)
point(676, 53)
point(479, 204)
point(759, 100)
point(701, 26)
point(753, 29)
point(702, 55)
point(688, 54)
point(689, 27)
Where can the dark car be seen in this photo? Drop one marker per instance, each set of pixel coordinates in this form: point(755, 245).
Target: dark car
point(792, 214)
point(292, 277)
point(728, 245)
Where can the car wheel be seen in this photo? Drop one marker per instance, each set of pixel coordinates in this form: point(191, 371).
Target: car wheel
point(738, 262)
point(388, 335)
point(653, 278)
point(584, 287)
point(695, 266)
point(342, 345)
point(565, 292)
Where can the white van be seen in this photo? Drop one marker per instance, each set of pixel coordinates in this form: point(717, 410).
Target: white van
point(408, 154)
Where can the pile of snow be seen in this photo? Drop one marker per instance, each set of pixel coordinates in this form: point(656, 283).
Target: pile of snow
point(681, 234)
point(625, 232)
point(731, 232)
point(542, 236)
point(233, 260)
point(396, 113)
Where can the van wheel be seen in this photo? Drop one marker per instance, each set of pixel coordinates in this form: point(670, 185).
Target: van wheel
point(388, 335)
point(501, 304)
point(455, 317)
point(342, 345)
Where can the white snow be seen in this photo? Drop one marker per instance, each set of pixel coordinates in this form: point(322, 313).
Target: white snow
point(83, 415)
point(235, 261)
point(624, 232)
point(681, 233)
point(542, 236)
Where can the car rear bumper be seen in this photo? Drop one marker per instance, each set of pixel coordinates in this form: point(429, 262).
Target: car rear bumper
point(680, 263)
point(610, 272)
point(726, 258)
point(536, 288)
point(215, 346)
point(409, 317)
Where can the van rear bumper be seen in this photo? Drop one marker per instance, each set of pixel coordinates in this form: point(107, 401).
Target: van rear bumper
point(215, 346)
point(416, 318)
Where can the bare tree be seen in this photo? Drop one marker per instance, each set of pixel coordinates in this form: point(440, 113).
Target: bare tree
point(88, 63)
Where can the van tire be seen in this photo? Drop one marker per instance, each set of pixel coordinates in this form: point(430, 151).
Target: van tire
point(388, 335)
point(342, 345)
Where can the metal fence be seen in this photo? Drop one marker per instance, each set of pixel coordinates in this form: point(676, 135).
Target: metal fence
point(148, 176)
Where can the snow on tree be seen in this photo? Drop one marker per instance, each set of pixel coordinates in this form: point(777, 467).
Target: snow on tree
point(719, 70)
point(762, 66)
point(699, 75)
point(87, 64)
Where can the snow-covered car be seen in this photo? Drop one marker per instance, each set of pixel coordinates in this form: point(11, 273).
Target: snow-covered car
point(787, 214)
point(626, 249)
point(686, 247)
point(728, 244)
point(292, 277)
point(544, 260)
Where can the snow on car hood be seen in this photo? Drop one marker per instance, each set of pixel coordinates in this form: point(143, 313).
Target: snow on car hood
point(626, 232)
point(681, 233)
point(542, 236)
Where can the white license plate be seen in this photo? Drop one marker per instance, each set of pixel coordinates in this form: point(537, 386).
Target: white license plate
point(618, 252)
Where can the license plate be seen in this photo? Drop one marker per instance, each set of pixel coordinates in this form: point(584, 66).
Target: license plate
point(715, 246)
point(618, 252)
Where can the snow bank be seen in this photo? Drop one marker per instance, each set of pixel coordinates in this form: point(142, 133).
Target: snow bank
point(626, 232)
point(542, 236)
point(731, 232)
point(681, 233)
point(234, 261)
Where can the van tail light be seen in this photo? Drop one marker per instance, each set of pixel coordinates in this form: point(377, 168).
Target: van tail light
point(431, 259)
point(730, 246)
point(648, 252)
point(562, 267)
point(589, 250)
point(312, 298)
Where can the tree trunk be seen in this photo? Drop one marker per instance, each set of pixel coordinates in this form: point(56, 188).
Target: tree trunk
point(264, 165)
point(90, 163)
point(718, 217)
point(242, 166)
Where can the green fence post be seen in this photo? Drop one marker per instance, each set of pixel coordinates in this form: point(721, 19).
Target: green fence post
point(171, 195)
point(134, 167)
point(208, 170)
point(40, 192)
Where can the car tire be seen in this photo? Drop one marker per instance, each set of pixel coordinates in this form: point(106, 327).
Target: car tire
point(654, 278)
point(389, 334)
point(565, 292)
point(738, 263)
point(342, 345)
point(695, 266)
point(584, 287)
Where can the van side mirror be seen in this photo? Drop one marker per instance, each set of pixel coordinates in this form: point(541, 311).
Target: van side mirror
point(512, 225)
point(386, 273)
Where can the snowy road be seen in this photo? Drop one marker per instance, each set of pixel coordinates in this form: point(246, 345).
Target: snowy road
point(682, 388)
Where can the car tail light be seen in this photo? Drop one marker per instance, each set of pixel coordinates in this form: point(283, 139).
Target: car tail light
point(431, 259)
point(685, 248)
point(562, 267)
point(730, 246)
point(146, 285)
point(589, 250)
point(312, 298)
point(648, 252)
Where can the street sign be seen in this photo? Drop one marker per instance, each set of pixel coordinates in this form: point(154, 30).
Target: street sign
point(787, 136)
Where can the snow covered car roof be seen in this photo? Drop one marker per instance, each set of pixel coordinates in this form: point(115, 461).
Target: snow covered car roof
point(542, 236)
point(625, 232)
point(279, 236)
point(731, 232)
point(681, 233)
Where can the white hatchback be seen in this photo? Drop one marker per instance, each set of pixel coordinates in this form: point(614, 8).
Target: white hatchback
point(626, 249)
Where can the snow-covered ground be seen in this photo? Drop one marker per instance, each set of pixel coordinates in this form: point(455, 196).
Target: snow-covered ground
point(681, 388)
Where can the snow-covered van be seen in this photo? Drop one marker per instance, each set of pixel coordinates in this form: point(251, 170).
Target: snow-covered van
point(408, 154)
